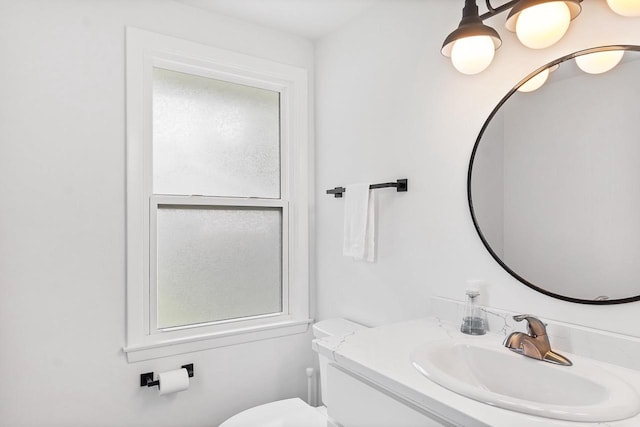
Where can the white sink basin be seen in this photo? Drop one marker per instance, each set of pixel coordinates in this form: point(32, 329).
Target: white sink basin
point(492, 374)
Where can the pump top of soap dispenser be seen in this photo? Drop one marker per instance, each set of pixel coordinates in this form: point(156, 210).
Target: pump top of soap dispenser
point(474, 320)
point(473, 293)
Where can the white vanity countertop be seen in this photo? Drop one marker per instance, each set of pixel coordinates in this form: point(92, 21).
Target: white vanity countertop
point(382, 355)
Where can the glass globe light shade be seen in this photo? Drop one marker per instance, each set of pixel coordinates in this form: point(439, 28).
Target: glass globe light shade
point(599, 62)
point(625, 7)
point(472, 55)
point(535, 82)
point(542, 25)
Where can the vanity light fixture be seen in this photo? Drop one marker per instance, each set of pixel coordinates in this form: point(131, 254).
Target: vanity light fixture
point(599, 62)
point(625, 7)
point(537, 23)
point(472, 45)
point(541, 23)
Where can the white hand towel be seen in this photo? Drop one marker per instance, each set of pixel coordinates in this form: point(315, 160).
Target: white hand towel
point(359, 222)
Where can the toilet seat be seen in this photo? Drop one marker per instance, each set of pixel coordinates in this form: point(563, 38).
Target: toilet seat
point(283, 413)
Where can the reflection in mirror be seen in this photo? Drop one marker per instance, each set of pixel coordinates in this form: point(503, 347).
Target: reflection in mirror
point(535, 82)
point(554, 183)
point(599, 62)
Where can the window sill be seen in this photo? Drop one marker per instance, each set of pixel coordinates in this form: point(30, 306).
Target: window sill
point(171, 347)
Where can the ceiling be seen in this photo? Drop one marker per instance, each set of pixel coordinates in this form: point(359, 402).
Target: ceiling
point(312, 19)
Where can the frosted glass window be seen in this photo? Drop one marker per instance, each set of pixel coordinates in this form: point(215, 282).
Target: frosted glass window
point(215, 138)
point(218, 263)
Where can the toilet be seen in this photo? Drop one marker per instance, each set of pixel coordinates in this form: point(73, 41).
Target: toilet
point(295, 412)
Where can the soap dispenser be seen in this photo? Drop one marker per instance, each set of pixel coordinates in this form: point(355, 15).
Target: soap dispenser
point(474, 321)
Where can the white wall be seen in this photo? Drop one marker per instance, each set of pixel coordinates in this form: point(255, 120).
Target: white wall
point(390, 106)
point(62, 225)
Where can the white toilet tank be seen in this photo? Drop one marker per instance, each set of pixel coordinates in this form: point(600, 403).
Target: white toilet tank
point(295, 412)
point(331, 328)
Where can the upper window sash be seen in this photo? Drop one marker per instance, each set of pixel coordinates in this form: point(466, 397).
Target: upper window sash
point(191, 108)
point(234, 75)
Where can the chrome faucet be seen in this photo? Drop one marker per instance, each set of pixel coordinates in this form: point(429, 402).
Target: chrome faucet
point(535, 344)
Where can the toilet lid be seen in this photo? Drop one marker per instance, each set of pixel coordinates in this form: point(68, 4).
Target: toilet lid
point(283, 413)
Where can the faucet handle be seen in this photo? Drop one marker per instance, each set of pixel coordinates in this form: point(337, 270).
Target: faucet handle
point(535, 326)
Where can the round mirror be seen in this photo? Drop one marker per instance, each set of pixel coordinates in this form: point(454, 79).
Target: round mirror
point(554, 179)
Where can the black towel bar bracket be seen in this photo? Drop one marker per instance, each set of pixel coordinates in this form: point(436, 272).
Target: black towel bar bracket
point(146, 379)
point(401, 185)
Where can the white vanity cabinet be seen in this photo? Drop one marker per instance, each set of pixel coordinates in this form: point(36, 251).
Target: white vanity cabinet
point(355, 402)
point(372, 379)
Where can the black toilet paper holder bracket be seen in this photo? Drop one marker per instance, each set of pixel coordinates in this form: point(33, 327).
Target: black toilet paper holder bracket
point(146, 379)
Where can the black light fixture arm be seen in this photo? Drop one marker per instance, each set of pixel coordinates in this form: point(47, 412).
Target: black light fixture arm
point(492, 11)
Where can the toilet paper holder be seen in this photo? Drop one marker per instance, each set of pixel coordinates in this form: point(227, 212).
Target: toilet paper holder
point(146, 379)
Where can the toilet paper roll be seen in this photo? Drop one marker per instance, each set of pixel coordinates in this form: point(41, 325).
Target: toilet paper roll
point(173, 381)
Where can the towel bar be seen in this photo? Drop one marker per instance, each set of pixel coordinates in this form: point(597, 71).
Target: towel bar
point(400, 184)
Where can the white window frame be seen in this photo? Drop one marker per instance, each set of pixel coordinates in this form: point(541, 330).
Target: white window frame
point(146, 50)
